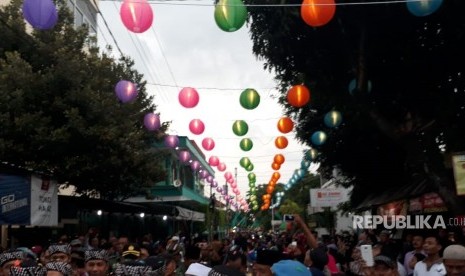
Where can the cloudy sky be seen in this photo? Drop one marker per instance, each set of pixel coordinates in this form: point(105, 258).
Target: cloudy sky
point(184, 47)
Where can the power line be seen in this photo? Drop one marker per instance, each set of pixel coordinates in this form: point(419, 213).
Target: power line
point(108, 28)
point(207, 88)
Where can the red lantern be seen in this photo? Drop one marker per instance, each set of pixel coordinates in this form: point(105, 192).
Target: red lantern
point(281, 142)
point(317, 12)
point(285, 125)
point(137, 15)
point(298, 96)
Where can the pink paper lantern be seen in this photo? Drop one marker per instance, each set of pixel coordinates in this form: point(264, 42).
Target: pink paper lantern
point(196, 126)
point(137, 15)
point(126, 91)
point(152, 121)
point(236, 191)
point(208, 144)
point(230, 180)
point(213, 161)
point(195, 165)
point(188, 97)
point(171, 141)
point(234, 185)
point(221, 167)
point(184, 156)
point(227, 175)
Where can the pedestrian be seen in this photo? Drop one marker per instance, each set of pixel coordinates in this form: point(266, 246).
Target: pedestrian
point(454, 260)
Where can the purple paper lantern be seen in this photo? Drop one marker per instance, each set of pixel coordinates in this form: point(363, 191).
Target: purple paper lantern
point(214, 184)
point(219, 190)
point(195, 165)
point(203, 174)
point(171, 141)
point(41, 14)
point(210, 179)
point(184, 156)
point(152, 121)
point(126, 91)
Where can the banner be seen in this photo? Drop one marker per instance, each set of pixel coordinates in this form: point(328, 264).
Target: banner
point(395, 208)
point(44, 202)
point(427, 203)
point(327, 197)
point(458, 164)
point(15, 197)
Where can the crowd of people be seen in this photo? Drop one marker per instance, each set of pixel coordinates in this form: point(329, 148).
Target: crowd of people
point(296, 251)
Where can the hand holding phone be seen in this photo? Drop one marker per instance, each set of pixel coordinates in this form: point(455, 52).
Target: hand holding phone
point(367, 254)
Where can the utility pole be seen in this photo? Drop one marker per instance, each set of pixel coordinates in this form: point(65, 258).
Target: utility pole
point(272, 215)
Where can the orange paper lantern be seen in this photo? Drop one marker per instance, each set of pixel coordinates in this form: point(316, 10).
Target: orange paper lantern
point(317, 13)
point(279, 158)
point(275, 166)
point(298, 95)
point(276, 175)
point(285, 125)
point(269, 189)
point(272, 183)
point(281, 143)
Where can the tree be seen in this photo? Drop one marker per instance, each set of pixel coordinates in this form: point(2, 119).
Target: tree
point(290, 207)
point(59, 113)
point(412, 118)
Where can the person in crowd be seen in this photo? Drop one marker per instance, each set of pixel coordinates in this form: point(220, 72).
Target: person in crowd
point(265, 259)
point(415, 259)
point(432, 265)
point(383, 266)
point(356, 265)
point(58, 269)
point(192, 262)
point(9, 259)
point(454, 260)
point(27, 268)
point(131, 253)
point(59, 253)
point(96, 262)
point(417, 245)
point(236, 259)
point(290, 267)
point(77, 262)
point(316, 260)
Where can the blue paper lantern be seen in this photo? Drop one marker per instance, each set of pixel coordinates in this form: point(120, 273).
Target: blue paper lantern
point(423, 7)
point(333, 119)
point(319, 138)
point(41, 14)
point(311, 154)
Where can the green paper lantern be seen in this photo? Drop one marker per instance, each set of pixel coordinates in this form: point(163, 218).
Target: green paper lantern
point(252, 184)
point(240, 128)
point(245, 162)
point(251, 177)
point(249, 99)
point(230, 15)
point(246, 144)
point(250, 167)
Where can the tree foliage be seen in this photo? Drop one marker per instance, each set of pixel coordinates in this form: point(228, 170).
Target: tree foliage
point(59, 113)
point(410, 121)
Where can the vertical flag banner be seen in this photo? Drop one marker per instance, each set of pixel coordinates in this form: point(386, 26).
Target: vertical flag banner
point(458, 164)
point(44, 202)
point(15, 198)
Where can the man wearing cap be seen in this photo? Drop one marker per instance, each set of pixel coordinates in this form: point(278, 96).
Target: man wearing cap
point(96, 262)
point(59, 253)
point(454, 260)
point(9, 259)
point(58, 269)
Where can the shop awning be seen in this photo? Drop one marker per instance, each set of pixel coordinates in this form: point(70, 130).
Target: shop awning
point(186, 214)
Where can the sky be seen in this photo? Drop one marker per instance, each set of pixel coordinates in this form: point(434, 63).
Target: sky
point(185, 48)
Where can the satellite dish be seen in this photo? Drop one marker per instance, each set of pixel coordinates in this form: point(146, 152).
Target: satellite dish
point(177, 183)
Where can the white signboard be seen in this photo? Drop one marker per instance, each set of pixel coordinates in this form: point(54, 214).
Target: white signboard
point(44, 202)
point(327, 197)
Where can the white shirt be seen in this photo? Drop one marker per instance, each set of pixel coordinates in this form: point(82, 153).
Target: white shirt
point(401, 269)
point(437, 269)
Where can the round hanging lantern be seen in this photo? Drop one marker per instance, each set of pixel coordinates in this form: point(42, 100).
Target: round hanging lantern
point(184, 156)
point(244, 162)
point(423, 7)
point(251, 177)
point(279, 159)
point(152, 121)
point(333, 118)
point(250, 167)
point(203, 174)
point(276, 176)
point(305, 164)
point(236, 191)
point(234, 185)
point(246, 144)
point(219, 189)
point(298, 95)
point(249, 98)
point(196, 126)
point(171, 141)
point(252, 184)
point(317, 13)
point(208, 144)
point(269, 189)
point(230, 180)
point(353, 86)
point(281, 142)
point(214, 184)
point(221, 167)
point(285, 125)
point(188, 97)
point(275, 166)
point(126, 91)
point(213, 161)
point(319, 138)
point(230, 15)
point(311, 154)
point(195, 165)
point(240, 128)
point(227, 175)
point(137, 15)
point(41, 14)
